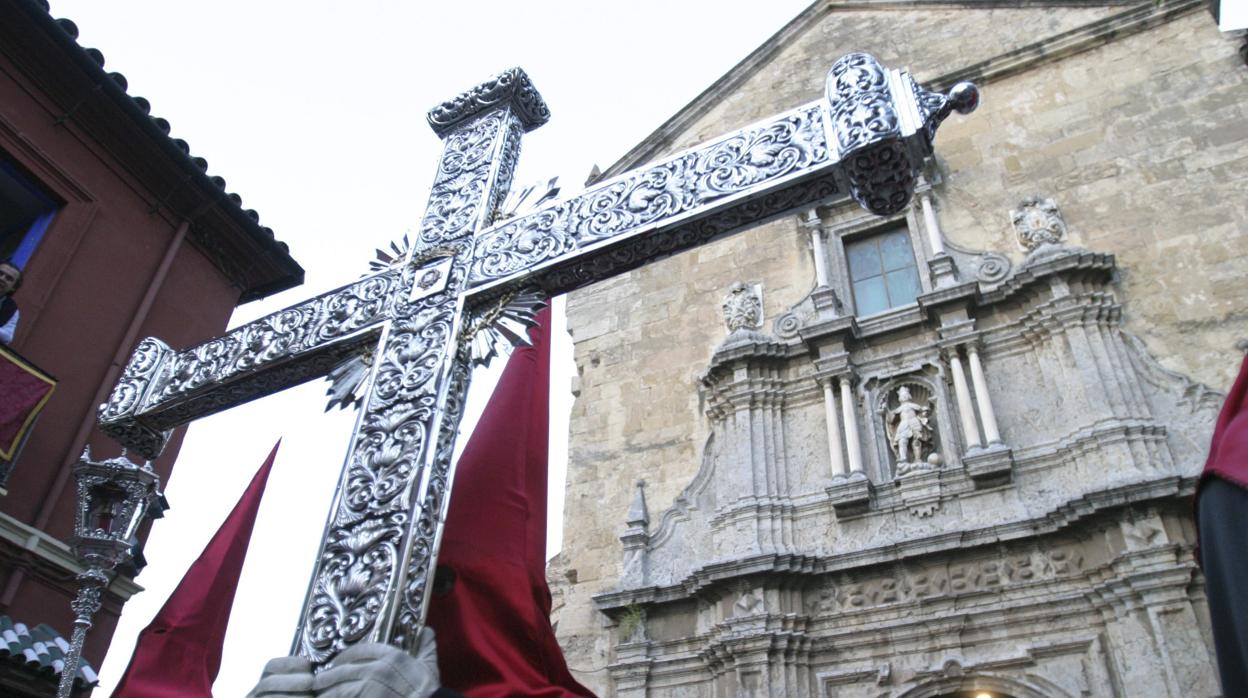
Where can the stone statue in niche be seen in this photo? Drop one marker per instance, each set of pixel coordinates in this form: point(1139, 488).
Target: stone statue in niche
point(908, 422)
point(743, 307)
point(1038, 222)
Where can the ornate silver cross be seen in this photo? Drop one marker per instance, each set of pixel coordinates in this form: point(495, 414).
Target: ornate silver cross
point(417, 320)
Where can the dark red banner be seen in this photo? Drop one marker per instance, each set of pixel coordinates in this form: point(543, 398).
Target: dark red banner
point(24, 390)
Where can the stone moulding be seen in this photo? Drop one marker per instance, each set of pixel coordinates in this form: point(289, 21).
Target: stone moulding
point(707, 578)
point(1072, 583)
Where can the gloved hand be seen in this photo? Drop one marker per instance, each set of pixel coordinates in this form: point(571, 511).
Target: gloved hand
point(377, 670)
point(285, 677)
point(370, 670)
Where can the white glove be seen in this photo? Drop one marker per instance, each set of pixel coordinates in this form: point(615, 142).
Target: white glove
point(285, 677)
point(370, 670)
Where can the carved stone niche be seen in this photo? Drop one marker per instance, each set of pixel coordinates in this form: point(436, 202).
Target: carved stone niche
point(908, 415)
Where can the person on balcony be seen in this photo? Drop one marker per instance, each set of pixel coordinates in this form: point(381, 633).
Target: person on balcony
point(10, 280)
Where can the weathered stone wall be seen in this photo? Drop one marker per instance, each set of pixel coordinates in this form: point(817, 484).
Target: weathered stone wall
point(1140, 137)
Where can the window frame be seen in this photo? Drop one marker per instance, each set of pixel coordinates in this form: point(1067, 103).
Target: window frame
point(847, 223)
point(37, 229)
point(876, 239)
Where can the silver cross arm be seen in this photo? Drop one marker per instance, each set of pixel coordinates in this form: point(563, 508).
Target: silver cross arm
point(161, 389)
point(416, 319)
point(880, 124)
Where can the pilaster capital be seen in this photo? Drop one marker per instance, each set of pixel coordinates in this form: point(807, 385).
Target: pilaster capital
point(956, 334)
point(949, 350)
point(811, 222)
point(833, 368)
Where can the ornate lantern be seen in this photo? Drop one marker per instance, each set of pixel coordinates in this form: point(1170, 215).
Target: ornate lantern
point(114, 496)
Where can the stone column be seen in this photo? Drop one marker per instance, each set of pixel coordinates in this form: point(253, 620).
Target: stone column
point(851, 427)
point(986, 414)
point(819, 246)
point(964, 400)
point(933, 226)
point(834, 429)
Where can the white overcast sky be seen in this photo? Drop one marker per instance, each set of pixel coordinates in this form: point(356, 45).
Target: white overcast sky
point(313, 111)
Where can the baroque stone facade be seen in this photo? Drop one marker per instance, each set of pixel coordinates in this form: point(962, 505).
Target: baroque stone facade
point(985, 486)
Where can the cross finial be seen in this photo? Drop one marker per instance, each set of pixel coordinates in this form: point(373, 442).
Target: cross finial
point(508, 89)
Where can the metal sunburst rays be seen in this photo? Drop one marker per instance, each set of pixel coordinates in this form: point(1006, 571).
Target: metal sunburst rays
point(527, 198)
point(493, 333)
point(504, 325)
point(385, 259)
point(346, 381)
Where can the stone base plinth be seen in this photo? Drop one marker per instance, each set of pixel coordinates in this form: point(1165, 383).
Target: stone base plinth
point(989, 467)
point(850, 496)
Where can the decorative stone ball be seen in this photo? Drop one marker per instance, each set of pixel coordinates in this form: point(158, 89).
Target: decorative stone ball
point(935, 460)
point(964, 97)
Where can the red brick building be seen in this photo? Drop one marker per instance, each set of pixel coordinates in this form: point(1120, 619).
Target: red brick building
point(121, 233)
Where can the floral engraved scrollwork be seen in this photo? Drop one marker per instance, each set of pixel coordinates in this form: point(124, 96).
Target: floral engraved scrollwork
point(357, 564)
point(871, 134)
point(509, 157)
point(732, 165)
point(301, 329)
point(463, 194)
point(863, 113)
point(379, 508)
point(424, 534)
point(139, 374)
point(391, 442)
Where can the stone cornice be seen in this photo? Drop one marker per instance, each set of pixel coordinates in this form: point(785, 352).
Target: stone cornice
point(55, 553)
point(713, 576)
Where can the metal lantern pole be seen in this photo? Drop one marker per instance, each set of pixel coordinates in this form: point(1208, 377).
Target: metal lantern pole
point(113, 497)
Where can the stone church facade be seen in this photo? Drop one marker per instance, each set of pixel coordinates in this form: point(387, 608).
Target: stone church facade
point(948, 451)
